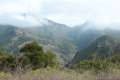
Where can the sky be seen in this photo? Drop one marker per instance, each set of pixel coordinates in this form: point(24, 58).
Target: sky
point(70, 12)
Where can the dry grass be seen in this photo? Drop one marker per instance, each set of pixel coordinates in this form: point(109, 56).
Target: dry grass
point(59, 74)
point(47, 74)
point(113, 75)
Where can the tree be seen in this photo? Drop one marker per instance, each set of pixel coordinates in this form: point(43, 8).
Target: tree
point(7, 61)
point(31, 47)
point(51, 59)
point(35, 56)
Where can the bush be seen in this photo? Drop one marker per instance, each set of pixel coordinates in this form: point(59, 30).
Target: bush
point(51, 59)
point(34, 55)
point(97, 65)
point(32, 47)
point(7, 61)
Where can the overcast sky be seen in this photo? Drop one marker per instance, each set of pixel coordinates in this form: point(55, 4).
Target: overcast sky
point(69, 12)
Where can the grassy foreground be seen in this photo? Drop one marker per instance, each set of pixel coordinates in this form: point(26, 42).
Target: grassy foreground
point(59, 74)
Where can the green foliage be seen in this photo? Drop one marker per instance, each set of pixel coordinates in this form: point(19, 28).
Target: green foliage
point(7, 61)
point(31, 47)
point(115, 59)
point(96, 65)
point(51, 59)
point(36, 57)
point(32, 55)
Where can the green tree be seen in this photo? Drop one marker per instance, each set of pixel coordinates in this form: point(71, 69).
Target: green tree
point(32, 47)
point(51, 59)
point(7, 61)
point(34, 55)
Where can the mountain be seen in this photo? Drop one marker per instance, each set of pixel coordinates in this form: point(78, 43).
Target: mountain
point(63, 40)
point(85, 34)
point(53, 36)
point(11, 36)
point(60, 38)
point(102, 47)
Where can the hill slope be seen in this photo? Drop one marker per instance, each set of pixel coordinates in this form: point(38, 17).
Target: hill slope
point(62, 39)
point(103, 47)
point(52, 35)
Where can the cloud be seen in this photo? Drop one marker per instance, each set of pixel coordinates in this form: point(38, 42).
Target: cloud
point(70, 12)
point(100, 11)
point(14, 6)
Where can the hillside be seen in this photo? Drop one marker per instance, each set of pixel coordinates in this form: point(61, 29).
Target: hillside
point(101, 48)
point(52, 36)
point(65, 41)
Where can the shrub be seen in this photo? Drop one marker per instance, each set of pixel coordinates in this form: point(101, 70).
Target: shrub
point(34, 55)
point(7, 61)
point(97, 65)
point(51, 59)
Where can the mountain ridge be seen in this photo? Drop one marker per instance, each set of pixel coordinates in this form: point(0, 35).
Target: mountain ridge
point(65, 41)
point(104, 46)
